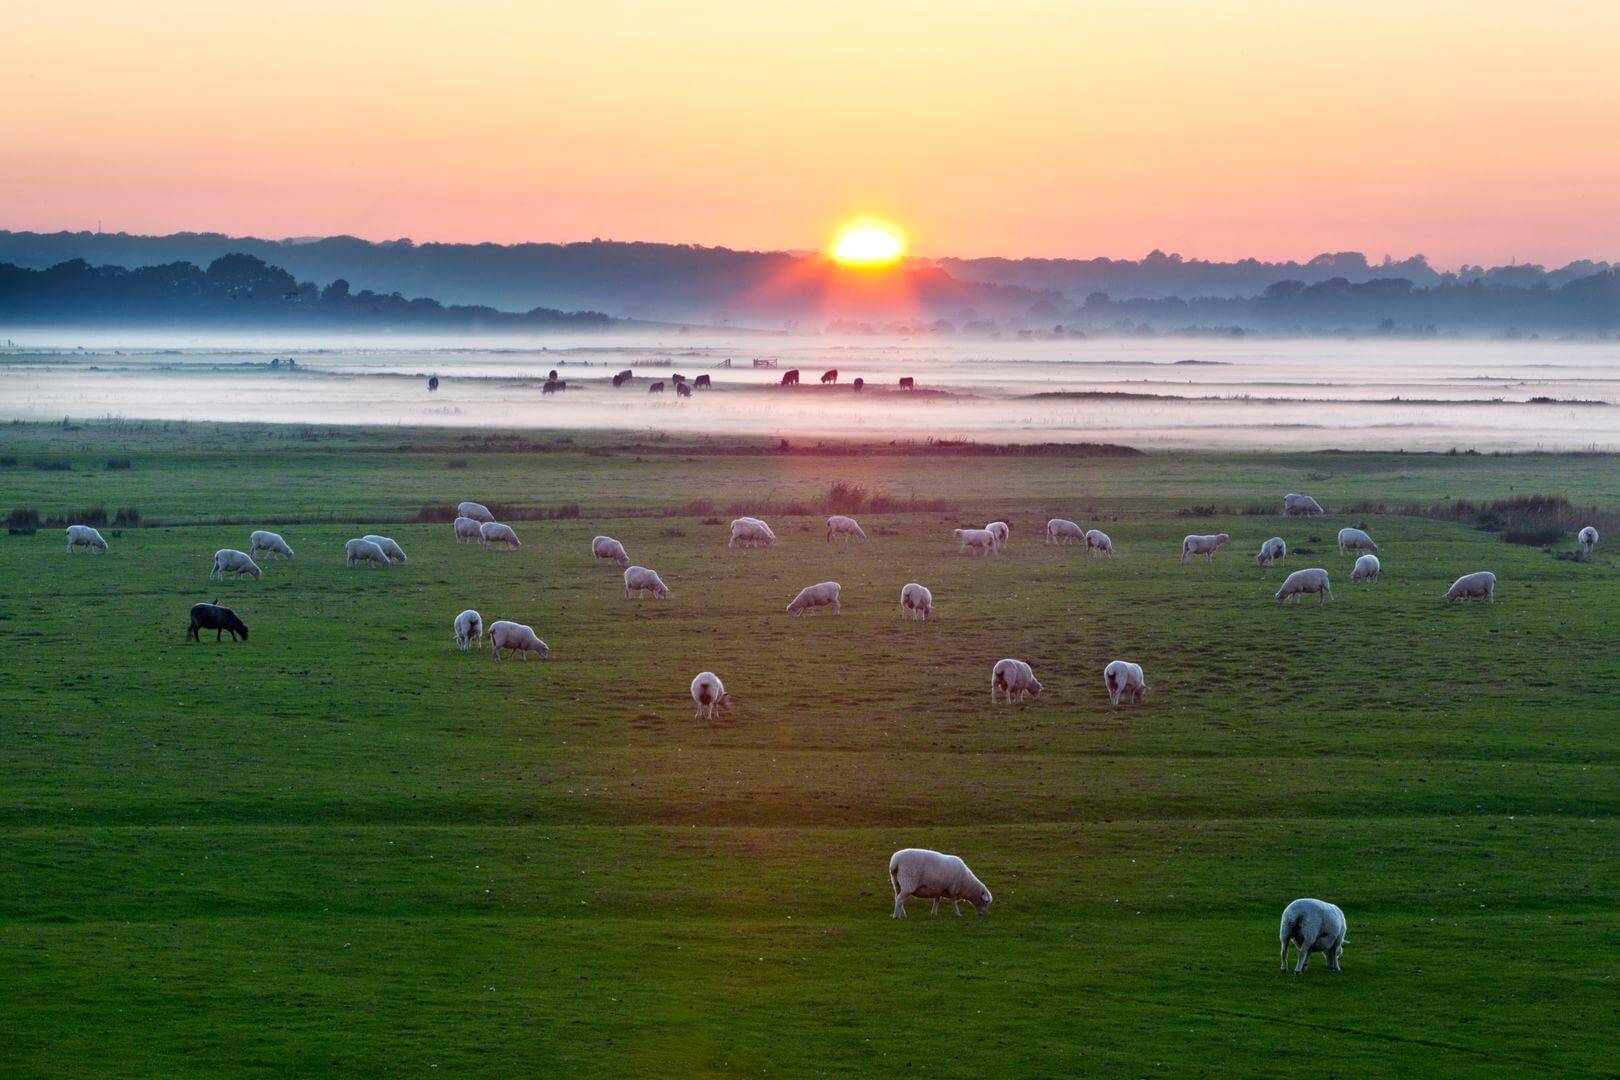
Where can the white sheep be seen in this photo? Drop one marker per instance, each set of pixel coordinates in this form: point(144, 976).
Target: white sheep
point(231, 561)
point(1304, 582)
point(1272, 552)
point(639, 579)
point(390, 549)
point(1294, 505)
point(1001, 531)
point(750, 532)
point(364, 551)
point(1099, 543)
point(493, 532)
point(1477, 586)
point(812, 597)
point(843, 527)
point(517, 637)
point(1366, 569)
point(932, 875)
point(477, 511)
point(467, 530)
point(269, 544)
point(1355, 540)
point(710, 694)
point(469, 629)
point(1014, 678)
point(1205, 545)
point(1122, 677)
point(917, 601)
point(86, 537)
point(1312, 926)
point(981, 541)
point(605, 547)
point(1062, 530)
point(1588, 538)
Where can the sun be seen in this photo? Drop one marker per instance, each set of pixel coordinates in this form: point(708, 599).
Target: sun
point(868, 243)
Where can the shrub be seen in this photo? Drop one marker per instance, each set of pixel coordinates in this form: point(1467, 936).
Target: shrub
point(127, 515)
point(23, 517)
point(9, 461)
point(118, 463)
point(1203, 511)
point(53, 464)
point(845, 498)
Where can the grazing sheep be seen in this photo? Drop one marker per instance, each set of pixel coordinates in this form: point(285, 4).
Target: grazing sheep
point(843, 527)
point(605, 547)
point(1122, 677)
point(1302, 583)
point(829, 376)
point(981, 541)
point(1355, 540)
point(86, 537)
point(1367, 568)
point(390, 549)
point(702, 382)
point(917, 601)
point(1014, 678)
point(467, 530)
point(517, 637)
point(1272, 552)
point(1098, 543)
point(215, 618)
point(1001, 531)
point(270, 544)
point(1295, 505)
point(639, 579)
point(816, 596)
point(476, 511)
point(931, 875)
point(1062, 530)
point(493, 532)
point(750, 532)
point(1205, 545)
point(1478, 586)
point(1588, 538)
point(710, 694)
point(469, 629)
point(1312, 926)
point(364, 551)
point(231, 561)
point(656, 388)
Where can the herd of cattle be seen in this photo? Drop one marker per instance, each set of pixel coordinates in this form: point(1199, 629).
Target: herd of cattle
point(684, 387)
point(1307, 924)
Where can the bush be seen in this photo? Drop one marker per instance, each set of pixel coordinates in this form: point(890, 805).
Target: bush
point(24, 517)
point(53, 464)
point(90, 515)
point(845, 498)
point(127, 515)
point(1203, 511)
point(118, 463)
point(9, 461)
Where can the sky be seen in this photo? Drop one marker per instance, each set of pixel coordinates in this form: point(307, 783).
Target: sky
point(1479, 132)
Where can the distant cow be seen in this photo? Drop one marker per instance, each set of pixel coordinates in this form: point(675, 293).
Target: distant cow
point(215, 618)
point(859, 383)
point(682, 390)
point(656, 388)
point(790, 377)
point(621, 378)
point(553, 385)
point(908, 383)
point(678, 377)
point(829, 376)
point(433, 384)
point(701, 382)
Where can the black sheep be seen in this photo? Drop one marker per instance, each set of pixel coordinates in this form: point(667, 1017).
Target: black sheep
point(215, 618)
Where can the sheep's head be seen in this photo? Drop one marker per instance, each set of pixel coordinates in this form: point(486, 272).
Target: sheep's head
point(1035, 687)
point(981, 903)
point(1222, 538)
point(726, 701)
point(624, 560)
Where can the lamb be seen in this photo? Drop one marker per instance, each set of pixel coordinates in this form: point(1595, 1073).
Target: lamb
point(844, 527)
point(1477, 586)
point(390, 549)
point(1014, 678)
point(1062, 530)
point(1303, 582)
point(639, 579)
point(270, 544)
point(981, 541)
point(215, 618)
point(1272, 552)
point(467, 530)
point(1312, 926)
point(517, 637)
point(86, 537)
point(750, 532)
point(1122, 677)
point(930, 875)
point(231, 561)
point(605, 547)
point(469, 629)
point(816, 596)
point(1205, 545)
point(1367, 568)
point(476, 511)
point(916, 601)
point(1098, 543)
point(493, 532)
point(364, 551)
point(1295, 505)
point(1001, 531)
point(1588, 538)
point(1355, 540)
point(710, 694)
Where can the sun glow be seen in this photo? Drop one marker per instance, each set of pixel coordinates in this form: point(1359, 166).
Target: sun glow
point(868, 243)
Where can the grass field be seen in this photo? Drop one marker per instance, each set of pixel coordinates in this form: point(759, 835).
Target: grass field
point(344, 846)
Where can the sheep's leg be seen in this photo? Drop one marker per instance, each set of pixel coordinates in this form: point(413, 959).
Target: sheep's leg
point(219, 632)
point(1310, 928)
point(956, 906)
point(935, 909)
point(900, 898)
point(838, 608)
point(1284, 961)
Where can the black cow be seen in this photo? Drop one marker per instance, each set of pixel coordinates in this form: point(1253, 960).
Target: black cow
point(701, 382)
point(215, 618)
point(908, 383)
point(656, 388)
point(553, 385)
point(829, 376)
point(791, 377)
point(678, 377)
point(859, 383)
point(433, 384)
point(682, 390)
point(621, 378)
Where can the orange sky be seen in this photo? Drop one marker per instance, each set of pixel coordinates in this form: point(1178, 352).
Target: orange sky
point(1470, 132)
